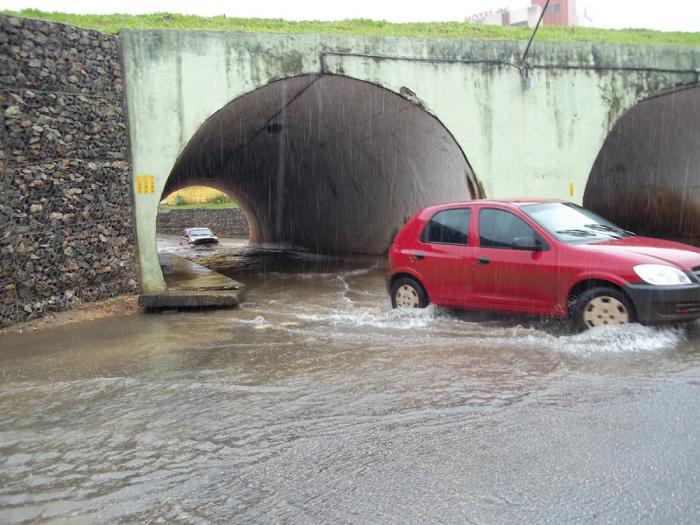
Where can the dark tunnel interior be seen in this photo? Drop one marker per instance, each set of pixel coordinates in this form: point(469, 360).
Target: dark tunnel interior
point(647, 175)
point(326, 162)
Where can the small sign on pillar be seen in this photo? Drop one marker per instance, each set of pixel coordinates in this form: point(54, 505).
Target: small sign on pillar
point(145, 184)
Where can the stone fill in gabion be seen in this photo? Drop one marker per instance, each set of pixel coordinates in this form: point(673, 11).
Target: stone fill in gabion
point(66, 224)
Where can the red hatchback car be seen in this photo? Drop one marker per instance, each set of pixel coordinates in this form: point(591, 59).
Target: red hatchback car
point(541, 257)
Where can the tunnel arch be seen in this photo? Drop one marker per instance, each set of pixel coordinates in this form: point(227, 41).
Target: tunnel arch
point(326, 162)
point(646, 176)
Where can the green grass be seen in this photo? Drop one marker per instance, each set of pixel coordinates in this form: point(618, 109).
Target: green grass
point(200, 205)
point(361, 27)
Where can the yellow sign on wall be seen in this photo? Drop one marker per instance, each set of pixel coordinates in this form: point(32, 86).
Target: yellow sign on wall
point(145, 184)
point(196, 195)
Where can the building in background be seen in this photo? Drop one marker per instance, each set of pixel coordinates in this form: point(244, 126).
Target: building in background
point(526, 16)
point(559, 12)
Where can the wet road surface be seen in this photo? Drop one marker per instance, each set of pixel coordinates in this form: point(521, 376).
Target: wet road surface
point(316, 403)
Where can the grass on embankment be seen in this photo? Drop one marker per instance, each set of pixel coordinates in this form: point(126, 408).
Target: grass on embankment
point(199, 205)
point(361, 27)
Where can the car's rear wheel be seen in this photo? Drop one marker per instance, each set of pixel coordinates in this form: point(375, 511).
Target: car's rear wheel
point(407, 292)
point(602, 306)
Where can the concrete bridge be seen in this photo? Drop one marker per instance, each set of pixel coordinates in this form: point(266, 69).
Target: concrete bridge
point(331, 142)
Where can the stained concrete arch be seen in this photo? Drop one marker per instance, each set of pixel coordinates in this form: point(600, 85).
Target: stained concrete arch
point(647, 174)
point(326, 162)
point(538, 138)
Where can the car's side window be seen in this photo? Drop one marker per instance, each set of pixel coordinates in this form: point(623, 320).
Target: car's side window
point(498, 228)
point(448, 227)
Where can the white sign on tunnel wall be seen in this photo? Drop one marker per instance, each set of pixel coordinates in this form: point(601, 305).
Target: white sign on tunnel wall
point(145, 184)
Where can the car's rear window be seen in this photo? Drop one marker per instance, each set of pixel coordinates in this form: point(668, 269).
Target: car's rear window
point(200, 231)
point(499, 228)
point(448, 227)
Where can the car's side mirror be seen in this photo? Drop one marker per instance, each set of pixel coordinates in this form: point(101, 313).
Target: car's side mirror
point(527, 243)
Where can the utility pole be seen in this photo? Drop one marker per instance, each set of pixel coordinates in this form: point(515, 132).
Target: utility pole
point(534, 32)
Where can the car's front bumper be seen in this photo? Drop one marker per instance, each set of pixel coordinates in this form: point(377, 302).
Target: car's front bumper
point(205, 240)
point(661, 304)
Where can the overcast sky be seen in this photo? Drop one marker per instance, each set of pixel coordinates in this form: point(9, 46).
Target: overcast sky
point(666, 15)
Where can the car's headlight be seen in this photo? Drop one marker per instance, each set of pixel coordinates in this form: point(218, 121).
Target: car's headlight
point(661, 274)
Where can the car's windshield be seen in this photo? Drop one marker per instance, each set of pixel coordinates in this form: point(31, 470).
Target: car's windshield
point(200, 231)
point(571, 223)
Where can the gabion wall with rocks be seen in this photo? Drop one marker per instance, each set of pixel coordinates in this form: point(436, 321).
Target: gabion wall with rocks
point(230, 222)
point(66, 225)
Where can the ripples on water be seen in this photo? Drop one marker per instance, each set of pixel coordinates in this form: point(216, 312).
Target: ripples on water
point(315, 402)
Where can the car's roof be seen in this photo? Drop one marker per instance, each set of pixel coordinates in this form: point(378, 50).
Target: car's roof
point(482, 202)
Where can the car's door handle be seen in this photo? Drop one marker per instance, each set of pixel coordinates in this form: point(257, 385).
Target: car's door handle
point(483, 260)
point(420, 256)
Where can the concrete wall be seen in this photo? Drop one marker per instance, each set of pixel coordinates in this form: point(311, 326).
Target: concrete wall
point(66, 219)
point(229, 222)
point(534, 131)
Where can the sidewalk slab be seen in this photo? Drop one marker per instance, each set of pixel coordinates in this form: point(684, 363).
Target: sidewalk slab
point(191, 285)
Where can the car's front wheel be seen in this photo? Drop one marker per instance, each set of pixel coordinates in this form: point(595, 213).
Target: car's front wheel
point(407, 292)
point(602, 306)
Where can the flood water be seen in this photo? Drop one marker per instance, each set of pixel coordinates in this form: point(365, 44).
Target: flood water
point(316, 403)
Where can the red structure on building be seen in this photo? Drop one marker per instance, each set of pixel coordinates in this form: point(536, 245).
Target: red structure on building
point(559, 12)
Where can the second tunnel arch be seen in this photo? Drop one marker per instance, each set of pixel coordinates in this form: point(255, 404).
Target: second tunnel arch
point(326, 162)
point(646, 176)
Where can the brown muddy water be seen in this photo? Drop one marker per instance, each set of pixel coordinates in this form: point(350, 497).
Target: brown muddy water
point(316, 403)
